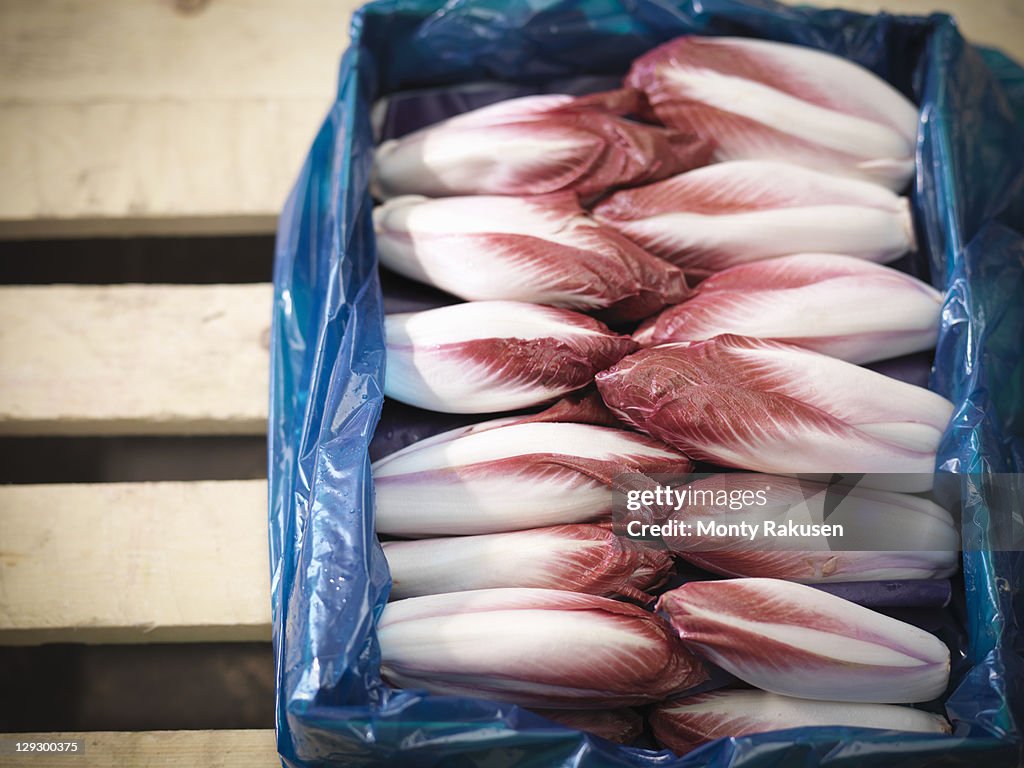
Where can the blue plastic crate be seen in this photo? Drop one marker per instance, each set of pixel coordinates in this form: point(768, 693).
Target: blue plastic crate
point(329, 577)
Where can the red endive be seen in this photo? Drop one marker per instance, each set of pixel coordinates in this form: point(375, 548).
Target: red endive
point(739, 212)
point(574, 558)
point(509, 475)
point(777, 408)
point(886, 536)
point(536, 647)
point(686, 724)
point(544, 250)
point(799, 641)
point(487, 356)
point(836, 305)
point(534, 145)
point(755, 99)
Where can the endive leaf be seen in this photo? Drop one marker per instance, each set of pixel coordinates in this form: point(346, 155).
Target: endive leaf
point(685, 724)
point(799, 641)
point(543, 250)
point(755, 99)
point(537, 647)
point(732, 213)
point(777, 408)
point(836, 305)
point(574, 558)
point(509, 477)
point(532, 146)
point(487, 356)
point(886, 536)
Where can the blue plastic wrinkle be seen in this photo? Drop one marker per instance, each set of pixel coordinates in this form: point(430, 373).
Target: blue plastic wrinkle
point(329, 579)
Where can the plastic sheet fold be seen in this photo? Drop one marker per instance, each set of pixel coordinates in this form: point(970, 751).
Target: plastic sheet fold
point(329, 577)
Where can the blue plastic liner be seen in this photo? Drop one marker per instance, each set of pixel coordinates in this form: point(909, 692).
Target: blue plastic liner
point(329, 577)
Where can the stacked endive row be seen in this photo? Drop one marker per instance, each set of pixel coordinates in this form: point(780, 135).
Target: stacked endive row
point(815, 658)
point(756, 282)
point(531, 499)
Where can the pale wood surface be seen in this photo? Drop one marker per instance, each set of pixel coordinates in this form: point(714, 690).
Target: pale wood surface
point(130, 359)
point(127, 117)
point(134, 562)
point(154, 749)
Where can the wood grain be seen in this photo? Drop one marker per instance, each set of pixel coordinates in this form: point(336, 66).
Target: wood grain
point(132, 359)
point(134, 563)
point(164, 116)
point(193, 116)
point(154, 749)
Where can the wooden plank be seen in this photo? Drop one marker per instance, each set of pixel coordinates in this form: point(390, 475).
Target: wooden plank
point(134, 563)
point(192, 116)
point(127, 168)
point(130, 359)
point(152, 749)
point(177, 116)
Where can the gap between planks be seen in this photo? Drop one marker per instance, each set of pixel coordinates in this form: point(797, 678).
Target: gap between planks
point(134, 359)
point(152, 749)
point(134, 563)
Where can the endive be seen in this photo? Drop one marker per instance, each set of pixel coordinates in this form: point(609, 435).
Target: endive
point(739, 212)
point(534, 145)
point(777, 408)
point(536, 647)
point(487, 356)
point(508, 475)
point(543, 250)
point(574, 558)
point(798, 641)
point(836, 305)
point(886, 536)
point(685, 724)
point(755, 99)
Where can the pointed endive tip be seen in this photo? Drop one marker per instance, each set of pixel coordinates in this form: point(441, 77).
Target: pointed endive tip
point(582, 407)
point(798, 641)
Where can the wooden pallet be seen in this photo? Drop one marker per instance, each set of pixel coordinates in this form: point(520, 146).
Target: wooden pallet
point(178, 117)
